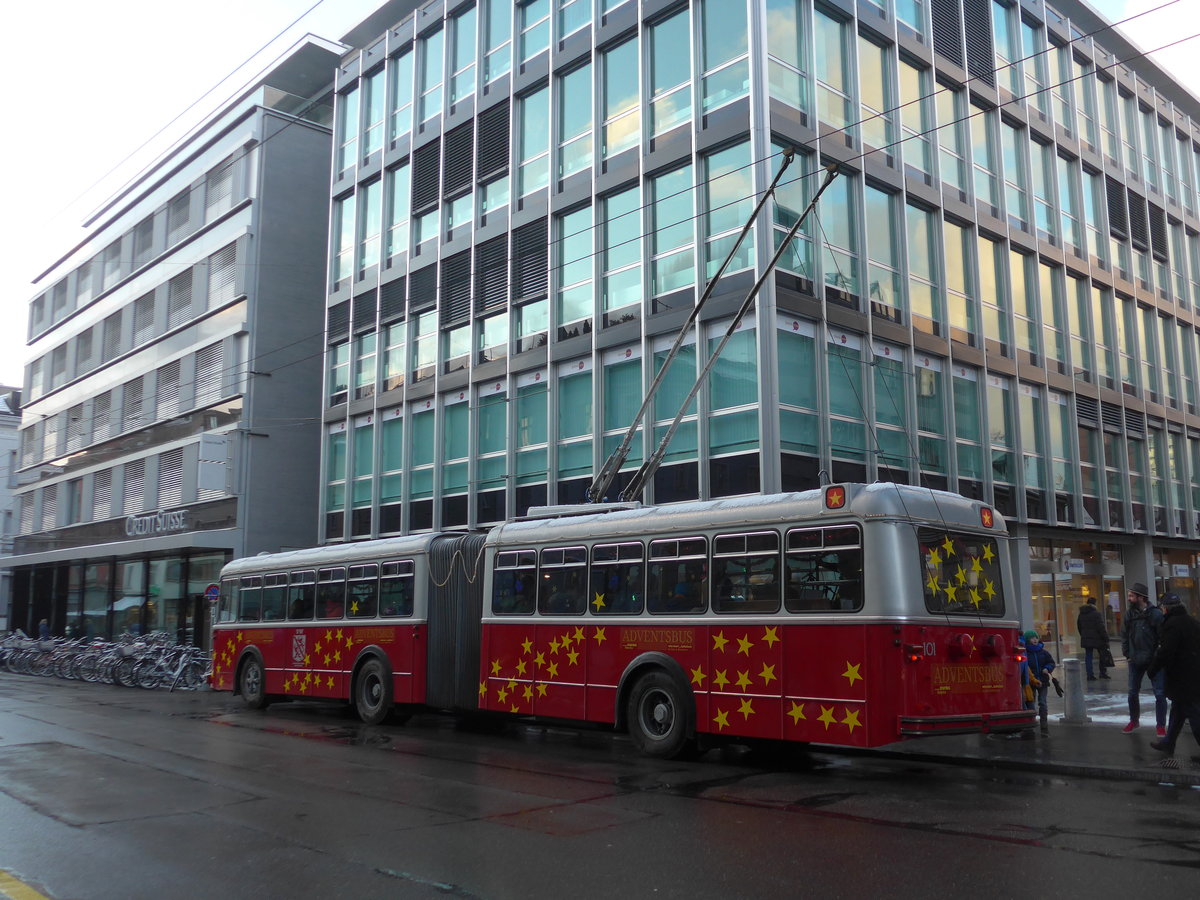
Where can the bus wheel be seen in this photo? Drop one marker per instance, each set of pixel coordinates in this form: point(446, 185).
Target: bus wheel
point(658, 716)
point(250, 683)
point(373, 696)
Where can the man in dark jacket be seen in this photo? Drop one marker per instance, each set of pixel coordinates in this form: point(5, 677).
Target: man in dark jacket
point(1093, 636)
point(1139, 638)
point(1178, 655)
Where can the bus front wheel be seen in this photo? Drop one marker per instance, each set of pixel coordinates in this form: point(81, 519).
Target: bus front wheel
point(658, 716)
point(250, 684)
point(373, 697)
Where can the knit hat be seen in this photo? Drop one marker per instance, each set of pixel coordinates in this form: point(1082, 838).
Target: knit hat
point(1170, 600)
point(1139, 588)
point(1031, 636)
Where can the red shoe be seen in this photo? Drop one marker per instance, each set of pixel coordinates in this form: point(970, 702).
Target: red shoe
point(1130, 728)
point(1160, 731)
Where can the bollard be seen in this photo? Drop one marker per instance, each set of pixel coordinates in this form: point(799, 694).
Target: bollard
point(1073, 686)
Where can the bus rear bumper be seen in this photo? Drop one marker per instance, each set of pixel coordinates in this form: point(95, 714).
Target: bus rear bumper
point(968, 723)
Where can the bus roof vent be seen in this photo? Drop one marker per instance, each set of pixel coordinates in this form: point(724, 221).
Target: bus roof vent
point(575, 509)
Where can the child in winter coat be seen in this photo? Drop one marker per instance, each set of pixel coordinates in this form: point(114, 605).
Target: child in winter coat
point(1041, 664)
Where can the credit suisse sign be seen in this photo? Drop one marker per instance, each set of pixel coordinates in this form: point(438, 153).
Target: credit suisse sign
point(161, 522)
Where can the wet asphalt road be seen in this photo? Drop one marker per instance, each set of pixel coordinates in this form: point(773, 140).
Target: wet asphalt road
point(116, 793)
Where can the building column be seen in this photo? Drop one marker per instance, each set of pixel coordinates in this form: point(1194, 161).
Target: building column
point(1138, 560)
point(1022, 584)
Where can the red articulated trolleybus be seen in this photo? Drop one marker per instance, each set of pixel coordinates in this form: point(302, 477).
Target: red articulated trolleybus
point(852, 615)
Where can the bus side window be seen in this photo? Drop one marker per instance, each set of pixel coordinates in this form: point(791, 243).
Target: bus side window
point(250, 605)
point(563, 581)
point(331, 593)
point(396, 589)
point(824, 570)
point(364, 591)
point(746, 572)
point(227, 611)
point(302, 595)
point(274, 597)
point(678, 576)
point(618, 579)
point(514, 583)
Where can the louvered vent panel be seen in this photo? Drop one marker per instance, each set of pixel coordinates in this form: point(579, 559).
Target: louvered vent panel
point(1139, 230)
point(947, 28)
point(222, 276)
point(179, 299)
point(168, 390)
point(27, 513)
point(981, 58)
point(364, 312)
point(49, 507)
point(1158, 233)
point(426, 185)
point(208, 374)
point(492, 149)
point(1111, 416)
point(491, 274)
point(102, 417)
point(1088, 410)
point(456, 288)
point(391, 301)
point(170, 478)
point(1118, 210)
point(112, 336)
point(339, 321)
point(460, 154)
point(135, 486)
point(529, 261)
point(102, 495)
point(143, 319)
point(133, 404)
point(422, 290)
point(1135, 422)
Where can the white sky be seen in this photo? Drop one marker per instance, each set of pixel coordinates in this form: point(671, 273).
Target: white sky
point(91, 82)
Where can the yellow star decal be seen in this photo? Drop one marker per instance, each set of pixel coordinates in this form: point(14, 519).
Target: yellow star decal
point(327, 659)
point(975, 598)
point(337, 656)
point(698, 676)
point(797, 712)
point(526, 646)
point(721, 680)
point(952, 593)
point(988, 553)
point(541, 689)
point(552, 670)
point(721, 720)
point(719, 641)
point(747, 708)
point(767, 674)
point(502, 695)
point(512, 685)
point(527, 693)
point(566, 640)
point(827, 717)
point(307, 660)
point(354, 608)
point(483, 689)
point(935, 558)
point(318, 647)
point(329, 683)
point(515, 708)
point(771, 636)
point(743, 681)
point(573, 656)
point(948, 546)
point(578, 636)
point(555, 646)
point(349, 642)
point(521, 667)
point(976, 565)
point(960, 576)
point(851, 719)
point(599, 602)
point(934, 587)
point(239, 637)
point(852, 672)
point(540, 659)
point(495, 667)
point(339, 634)
point(599, 635)
point(989, 588)
point(329, 635)
point(744, 645)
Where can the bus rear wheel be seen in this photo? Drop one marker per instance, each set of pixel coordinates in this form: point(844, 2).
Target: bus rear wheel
point(658, 716)
point(250, 684)
point(373, 693)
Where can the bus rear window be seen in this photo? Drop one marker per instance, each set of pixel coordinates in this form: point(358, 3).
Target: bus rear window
point(961, 573)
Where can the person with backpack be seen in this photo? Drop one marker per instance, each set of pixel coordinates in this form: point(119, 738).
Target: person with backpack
point(1178, 656)
point(1139, 640)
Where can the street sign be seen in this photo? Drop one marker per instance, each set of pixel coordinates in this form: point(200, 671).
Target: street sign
point(212, 592)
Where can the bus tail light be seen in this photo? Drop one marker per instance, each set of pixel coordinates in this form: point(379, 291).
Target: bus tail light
point(991, 646)
point(913, 653)
point(1019, 654)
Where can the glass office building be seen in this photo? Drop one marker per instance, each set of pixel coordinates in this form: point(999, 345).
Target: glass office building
point(997, 295)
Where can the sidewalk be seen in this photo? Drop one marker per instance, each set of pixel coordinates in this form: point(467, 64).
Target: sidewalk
point(1095, 749)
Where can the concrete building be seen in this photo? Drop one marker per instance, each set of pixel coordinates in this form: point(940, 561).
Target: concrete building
point(170, 420)
point(10, 420)
point(998, 294)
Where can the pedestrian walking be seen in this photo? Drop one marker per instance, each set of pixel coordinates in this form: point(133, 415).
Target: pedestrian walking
point(1041, 664)
point(1178, 657)
point(1093, 636)
point(1139, 640)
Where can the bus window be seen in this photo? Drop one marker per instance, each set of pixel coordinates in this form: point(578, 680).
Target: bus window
point(396, 589)
point(331, 593)
point(513, 583)
point(746, 573)
point(618, 584)
point(274, 597)
point(250, 599)
point(302, 595)
point(563, 582)
point(364, 591)
point(824, 570)
point(678, 576)
point(961, 573)
point(229, 598)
